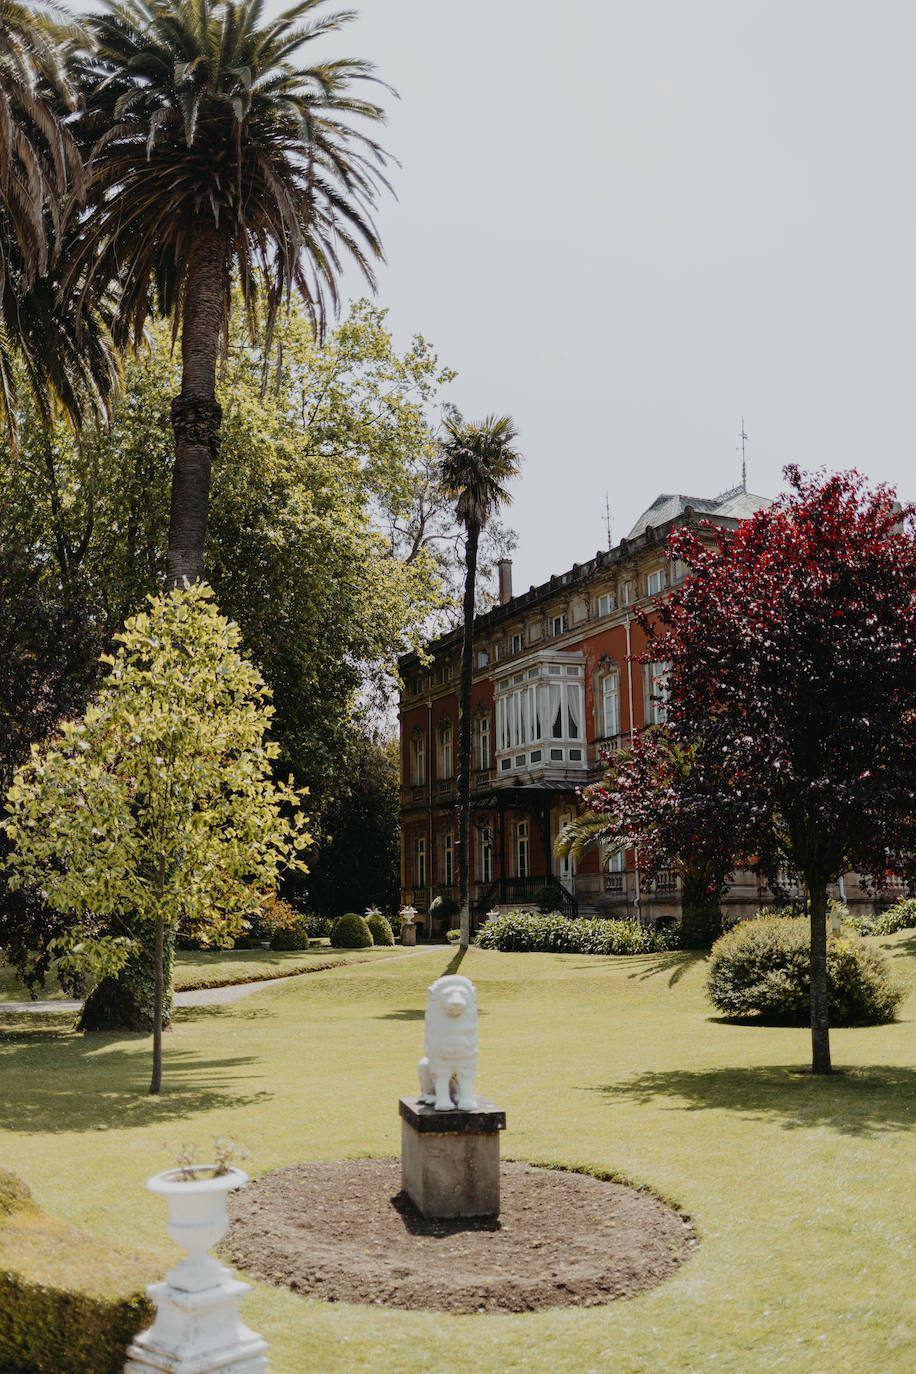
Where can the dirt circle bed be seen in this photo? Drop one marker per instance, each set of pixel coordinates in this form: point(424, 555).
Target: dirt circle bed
point(343, 1231)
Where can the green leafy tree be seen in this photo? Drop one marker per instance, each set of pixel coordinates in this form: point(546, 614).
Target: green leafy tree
point(300, 555)
point(356, 863)
point(213, 155)
point(476, 462)
point(158, 808)
point(300, 552)
point(48, 667)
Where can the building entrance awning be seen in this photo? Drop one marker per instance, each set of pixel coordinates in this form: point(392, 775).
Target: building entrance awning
point(528, 794)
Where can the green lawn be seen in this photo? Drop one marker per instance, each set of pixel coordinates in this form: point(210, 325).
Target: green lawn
point(801, 1188)
point(216, 968)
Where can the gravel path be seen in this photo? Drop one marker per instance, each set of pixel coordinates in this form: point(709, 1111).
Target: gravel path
point(206, 997)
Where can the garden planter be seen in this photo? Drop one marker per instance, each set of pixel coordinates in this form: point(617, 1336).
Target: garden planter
point(197, 1328)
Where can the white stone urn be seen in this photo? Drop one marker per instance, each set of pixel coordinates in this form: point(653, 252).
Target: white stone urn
point(197, 1328)
point(197, 1220)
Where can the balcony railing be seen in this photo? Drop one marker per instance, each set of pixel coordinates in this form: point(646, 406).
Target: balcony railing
point(522, 891)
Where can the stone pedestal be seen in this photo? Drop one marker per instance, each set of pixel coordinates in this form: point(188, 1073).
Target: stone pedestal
point(198, 1333)
point(450, 1160)
point(408, 935)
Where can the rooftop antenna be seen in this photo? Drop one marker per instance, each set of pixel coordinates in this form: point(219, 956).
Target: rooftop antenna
point(607, 520)
point(743, 440)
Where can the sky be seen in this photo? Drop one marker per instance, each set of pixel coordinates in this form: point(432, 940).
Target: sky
point(629, 225)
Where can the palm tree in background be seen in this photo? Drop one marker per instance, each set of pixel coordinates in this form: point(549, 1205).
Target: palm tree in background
point(214, 156)
point(40, 169)
point(476, 462)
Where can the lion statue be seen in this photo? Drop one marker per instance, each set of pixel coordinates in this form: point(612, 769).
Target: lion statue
point(447, 1069)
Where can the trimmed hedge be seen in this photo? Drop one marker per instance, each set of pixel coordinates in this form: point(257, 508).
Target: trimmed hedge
point(761, 969)
point(68, 1305)
point(380, 929)
point(351, 932)
point(532, 932)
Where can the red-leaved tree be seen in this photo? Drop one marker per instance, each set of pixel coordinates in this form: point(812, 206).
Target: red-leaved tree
point(791, 704)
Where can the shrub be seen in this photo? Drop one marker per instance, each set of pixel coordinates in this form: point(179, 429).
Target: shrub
point(351, 932)
point(453, 936)
point(319, 927)
point(292, 937)
point(68, 1303)
point(761, 969)
point(379, 928)
point(900, 916)
point(551, 933)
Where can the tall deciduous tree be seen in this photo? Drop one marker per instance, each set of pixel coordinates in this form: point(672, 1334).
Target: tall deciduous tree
point(214, 155)
point(792, 690)
point(477, 462)
point(158, 807)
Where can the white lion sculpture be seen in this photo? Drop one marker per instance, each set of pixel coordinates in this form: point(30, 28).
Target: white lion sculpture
point(447, 1070)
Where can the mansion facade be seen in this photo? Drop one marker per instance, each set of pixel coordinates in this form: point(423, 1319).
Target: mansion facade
point(554, 688)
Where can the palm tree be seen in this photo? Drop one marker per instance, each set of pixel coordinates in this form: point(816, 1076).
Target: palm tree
point(212, 156)
point(476, 462)
point(40, 167)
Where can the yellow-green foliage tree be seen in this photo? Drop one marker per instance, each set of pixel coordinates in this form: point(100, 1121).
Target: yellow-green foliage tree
point(158, 809)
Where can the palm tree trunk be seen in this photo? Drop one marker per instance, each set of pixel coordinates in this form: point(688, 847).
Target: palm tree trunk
point(820, 1025)
point(464, 737)
point(196, 414)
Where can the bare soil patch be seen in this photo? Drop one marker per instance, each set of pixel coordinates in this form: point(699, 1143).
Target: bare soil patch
point(343, 1231)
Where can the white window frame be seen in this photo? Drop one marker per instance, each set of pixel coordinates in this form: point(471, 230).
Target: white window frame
point(655, 582)
point(482, 743)
point(614, 862)
point(446, 752)
point(605, 603)
point(448, 859)
point(486, 855)
point(557, 625)
point(419, 861)
point(518, 642)
point(610, 726)
point(418, 759)
point(656, 685)
point(522, 849)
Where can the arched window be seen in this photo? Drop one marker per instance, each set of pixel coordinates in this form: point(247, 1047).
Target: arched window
point(420, 861)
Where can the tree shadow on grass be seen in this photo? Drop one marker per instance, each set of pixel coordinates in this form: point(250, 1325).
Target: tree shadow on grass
point(419, 1014)
point(69, 1082)
point(868, 1100)
point(675, 963)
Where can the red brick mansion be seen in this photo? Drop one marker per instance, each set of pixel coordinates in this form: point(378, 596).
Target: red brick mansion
point(553, 686)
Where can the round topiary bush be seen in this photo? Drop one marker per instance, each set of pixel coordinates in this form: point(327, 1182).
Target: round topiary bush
point(760, 969)
point(380, 928)
point(351, 932)
point(294, 936)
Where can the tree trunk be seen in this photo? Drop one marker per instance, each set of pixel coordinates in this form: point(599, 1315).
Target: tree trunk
point(701, 917)
point(156, 1080)
point(196, 414)
point(126, 1002)
point(464, 737)
point(820, 1024)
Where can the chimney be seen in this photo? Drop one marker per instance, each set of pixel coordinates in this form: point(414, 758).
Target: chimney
point(505, 580)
